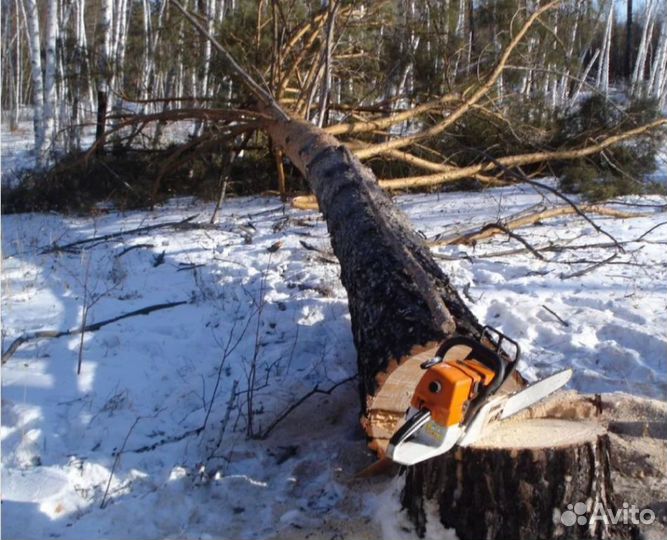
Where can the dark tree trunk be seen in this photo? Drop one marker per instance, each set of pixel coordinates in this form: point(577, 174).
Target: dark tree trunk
point(101, 119)
point(401, 303)
point(398, 295)
point(628, 40)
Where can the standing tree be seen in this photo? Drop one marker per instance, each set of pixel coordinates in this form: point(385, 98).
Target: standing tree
point(628, 40)
point(32, 17)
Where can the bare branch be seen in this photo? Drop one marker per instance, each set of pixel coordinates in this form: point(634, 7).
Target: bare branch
point(299, 402)
point(41, 334)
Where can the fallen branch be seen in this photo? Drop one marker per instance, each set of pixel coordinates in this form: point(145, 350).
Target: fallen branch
point(388, 121)
point(476, 234)
point(135, 246)
point(514, 161)
point(111, 236)
point(115, 461)
point(42, 334)
point(502, 228)
point(590, 268)
point(305, 202)
point(167, 440)
point(558, 317)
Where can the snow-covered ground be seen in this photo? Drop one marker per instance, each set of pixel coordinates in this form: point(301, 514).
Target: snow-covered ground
point(151, 439)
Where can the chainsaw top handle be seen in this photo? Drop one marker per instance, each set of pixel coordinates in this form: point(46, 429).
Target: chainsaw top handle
point(496, 337)
point(491, 356)
point(479, 352)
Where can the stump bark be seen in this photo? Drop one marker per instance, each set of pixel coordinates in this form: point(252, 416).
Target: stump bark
point(542, 475)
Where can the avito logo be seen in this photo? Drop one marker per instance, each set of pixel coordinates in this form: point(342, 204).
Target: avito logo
point(577, 514)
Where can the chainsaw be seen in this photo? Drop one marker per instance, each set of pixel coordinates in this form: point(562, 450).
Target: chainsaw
point(461, 392)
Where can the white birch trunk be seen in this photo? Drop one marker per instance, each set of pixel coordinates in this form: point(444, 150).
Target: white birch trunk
point(640, 62)
point(18, 74)
point(32, 21)
point(445, 28)
point(527, 79)
point(326, 85)
point(104, 77)
point(124, 13)
point(603, 67)
point(582, 79)
point(210, 18)
point(50, 72)
point(461, 19)
point(565, 79)
point(104, 29)
point(659, 65)
point(82, 43)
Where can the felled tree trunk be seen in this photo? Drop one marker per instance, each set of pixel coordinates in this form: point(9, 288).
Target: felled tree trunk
point(399, 298)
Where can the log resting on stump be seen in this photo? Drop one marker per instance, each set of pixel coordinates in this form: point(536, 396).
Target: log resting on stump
point(402, 305)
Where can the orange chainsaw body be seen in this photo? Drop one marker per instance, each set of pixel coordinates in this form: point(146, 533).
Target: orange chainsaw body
point(447, 388)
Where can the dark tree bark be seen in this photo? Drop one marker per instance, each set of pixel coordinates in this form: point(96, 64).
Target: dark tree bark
point(628, 40)
point(398, 295)
point(101, 120)
point(400, 301)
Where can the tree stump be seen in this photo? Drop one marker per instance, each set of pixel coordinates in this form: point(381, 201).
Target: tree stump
point(547, 473)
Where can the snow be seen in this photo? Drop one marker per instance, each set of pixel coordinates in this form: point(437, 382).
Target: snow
point(148, 406)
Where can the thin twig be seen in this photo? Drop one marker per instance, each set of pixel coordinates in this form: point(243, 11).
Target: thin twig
point(590, 268)
point(523, 178)
point(115, 462)
point(650, 230)
point(135, 246)
point(297, 403)
point(514, 235)
point(167, 440)
point(228, 413)
point(561, 320)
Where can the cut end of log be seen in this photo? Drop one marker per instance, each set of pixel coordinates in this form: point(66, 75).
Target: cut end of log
point(385, 411)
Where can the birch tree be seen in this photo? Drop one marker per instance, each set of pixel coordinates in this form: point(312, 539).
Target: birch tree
point(32, 21)
point(658, 77)
point(603, 66)
point(104, 65)
point(642, 53)
point(50, 72)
